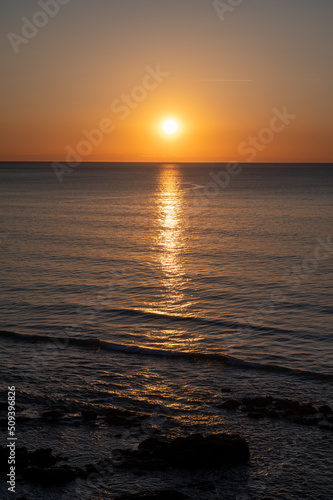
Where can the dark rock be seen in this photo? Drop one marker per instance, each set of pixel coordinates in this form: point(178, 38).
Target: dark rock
point(4, 407)
point(256, 415)
point(259, 402)
point(197, 451)
point(154, 495)
point(266, 406)
point(306, 409)
point(326, 427)
point(118, 421)
point(325, 409)
point(289, 413)
point(89, 415)
point(232, 404)
point(273, 414)
point(117, 417)
point(286, 404)
point(52, 476)
point(43, 458)
point(306, 421)
point(24, 459)
point(52, 415)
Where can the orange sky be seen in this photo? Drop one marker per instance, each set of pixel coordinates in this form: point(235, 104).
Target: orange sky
point(220, 79)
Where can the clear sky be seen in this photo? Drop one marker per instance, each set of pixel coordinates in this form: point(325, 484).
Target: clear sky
point(94, 63)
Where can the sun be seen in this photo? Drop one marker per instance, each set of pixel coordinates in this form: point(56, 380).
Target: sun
point(170, 126)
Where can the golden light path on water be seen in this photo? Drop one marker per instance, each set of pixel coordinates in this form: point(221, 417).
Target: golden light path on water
point(170, 243)
point(171, 236)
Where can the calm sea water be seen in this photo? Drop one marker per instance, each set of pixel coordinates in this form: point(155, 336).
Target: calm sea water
point(158, 288)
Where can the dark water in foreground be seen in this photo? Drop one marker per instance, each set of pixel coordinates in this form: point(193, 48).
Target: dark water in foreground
point(158, 290)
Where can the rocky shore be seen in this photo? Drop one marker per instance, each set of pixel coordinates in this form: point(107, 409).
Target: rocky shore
point(192, 452)
point(277, 408)
point(164, 453)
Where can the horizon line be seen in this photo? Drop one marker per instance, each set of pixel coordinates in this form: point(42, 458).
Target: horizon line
point(287, 162)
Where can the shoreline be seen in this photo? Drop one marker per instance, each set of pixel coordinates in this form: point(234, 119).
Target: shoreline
point(51, 466)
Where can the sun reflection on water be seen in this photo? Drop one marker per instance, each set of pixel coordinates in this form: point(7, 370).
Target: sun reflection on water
point(170, 242)
point(171, 238)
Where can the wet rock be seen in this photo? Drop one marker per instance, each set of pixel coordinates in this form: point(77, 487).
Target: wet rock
point(119, 421)
point(307, 409)
point(52, 476)
point(231, 404)
point(256, 415)
point(89, 415)
point(306, 421)
point(325, 409)
point(258, 402)
point(266, 406)
point(154, 495)
point(196, 450)
point(287, 405)
point(325, 427)
point(24, 458)
point(127, 418)
point(273, 414)
point(43, 458)
point(52, 415)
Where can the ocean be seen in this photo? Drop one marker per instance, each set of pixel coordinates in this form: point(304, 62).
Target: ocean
point(167, 289)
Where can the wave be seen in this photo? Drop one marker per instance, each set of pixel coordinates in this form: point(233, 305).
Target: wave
point(197, 320)
point(216, 358)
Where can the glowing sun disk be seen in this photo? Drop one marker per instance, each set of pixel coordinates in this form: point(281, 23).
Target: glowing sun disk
point(170, 127)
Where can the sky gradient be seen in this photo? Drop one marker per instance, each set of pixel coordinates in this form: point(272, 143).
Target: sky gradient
point(123, 66)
